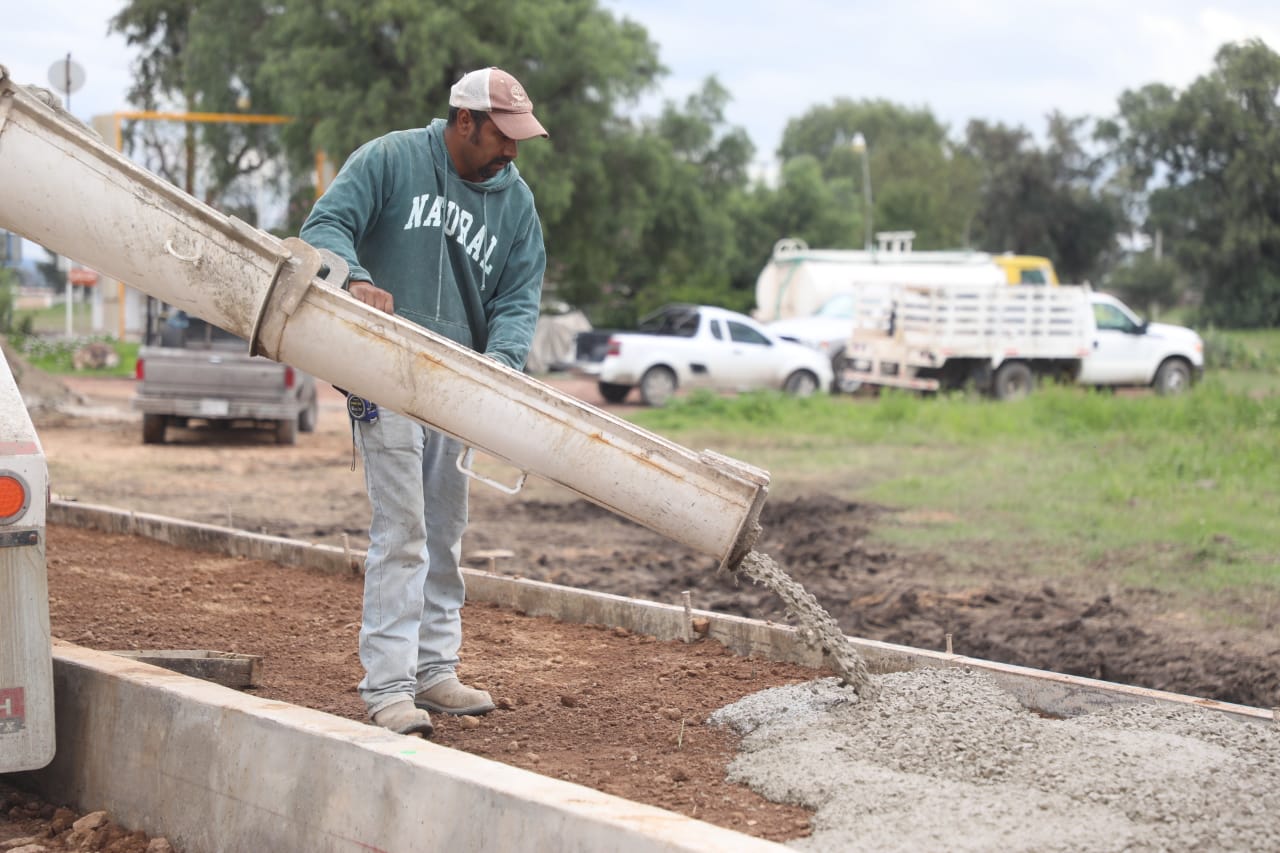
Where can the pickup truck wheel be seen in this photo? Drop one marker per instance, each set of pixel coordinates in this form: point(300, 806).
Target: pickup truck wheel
point(307, 417)
point(657, 386)
point(613, 392)
point(802, 383)
point(153, 429)
point(1013, 381)
point(1173, 377)
point(287, 431)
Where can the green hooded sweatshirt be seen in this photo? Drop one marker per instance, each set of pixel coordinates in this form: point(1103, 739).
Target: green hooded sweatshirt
point(462, 259)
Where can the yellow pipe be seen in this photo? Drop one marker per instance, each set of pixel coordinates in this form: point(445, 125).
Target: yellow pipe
point(233, 118)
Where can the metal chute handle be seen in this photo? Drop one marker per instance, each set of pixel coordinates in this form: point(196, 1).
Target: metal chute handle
point(464, 465)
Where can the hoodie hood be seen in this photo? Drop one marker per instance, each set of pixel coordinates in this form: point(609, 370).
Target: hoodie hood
point(440, 155)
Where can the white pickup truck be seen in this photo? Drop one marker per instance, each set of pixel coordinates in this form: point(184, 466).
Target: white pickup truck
point(1002, 339)
point(700, 346)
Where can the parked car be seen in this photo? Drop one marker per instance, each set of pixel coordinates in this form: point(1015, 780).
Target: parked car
point(189, 370)
point(826, 330)
point(700, 346)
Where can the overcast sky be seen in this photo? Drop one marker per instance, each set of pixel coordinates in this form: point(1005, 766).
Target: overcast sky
point(1001, 60)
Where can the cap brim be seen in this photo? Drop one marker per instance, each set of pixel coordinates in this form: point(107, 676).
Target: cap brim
point(518, 126)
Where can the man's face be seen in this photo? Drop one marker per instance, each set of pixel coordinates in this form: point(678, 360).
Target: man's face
point(487, 150)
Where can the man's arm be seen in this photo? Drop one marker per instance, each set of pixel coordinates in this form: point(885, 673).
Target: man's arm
point(340, 217)
point(512, 313)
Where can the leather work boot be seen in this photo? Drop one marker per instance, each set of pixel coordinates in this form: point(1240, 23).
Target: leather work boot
point(405, 718)
point(453, 697)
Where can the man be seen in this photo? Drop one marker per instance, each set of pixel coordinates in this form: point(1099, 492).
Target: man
point(439, 228)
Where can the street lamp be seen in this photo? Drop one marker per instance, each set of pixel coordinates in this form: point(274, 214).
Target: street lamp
point(859, 144)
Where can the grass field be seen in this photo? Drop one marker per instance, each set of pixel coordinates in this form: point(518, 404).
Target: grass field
point(1179, 494)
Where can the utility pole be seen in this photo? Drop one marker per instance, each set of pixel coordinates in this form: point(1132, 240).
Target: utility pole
point(859, 144)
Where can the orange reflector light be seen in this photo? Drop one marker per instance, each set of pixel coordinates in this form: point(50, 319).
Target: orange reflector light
point(13, 497)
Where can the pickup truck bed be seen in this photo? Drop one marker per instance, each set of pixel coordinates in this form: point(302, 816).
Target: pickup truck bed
point(199, 373)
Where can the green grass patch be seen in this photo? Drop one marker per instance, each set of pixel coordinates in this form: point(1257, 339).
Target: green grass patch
point(56, 355)
point(1177, 493)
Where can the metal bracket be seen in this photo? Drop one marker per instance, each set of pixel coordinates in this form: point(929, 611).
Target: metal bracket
point(18, 538)
point(465, 460)
point(293, 277)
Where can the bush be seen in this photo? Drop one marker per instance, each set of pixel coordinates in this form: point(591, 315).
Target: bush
point(1223, 351)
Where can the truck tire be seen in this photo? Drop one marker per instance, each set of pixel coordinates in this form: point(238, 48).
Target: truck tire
point(657, 386)
point(1173, 377)
point(1013, 381)
point(613, 392)
point(153, 429)
point(307, 417)
point(802, 383)
point(840, 385)
point(287, 431)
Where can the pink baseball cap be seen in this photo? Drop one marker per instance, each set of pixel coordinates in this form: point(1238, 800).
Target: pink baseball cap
point(497, 93)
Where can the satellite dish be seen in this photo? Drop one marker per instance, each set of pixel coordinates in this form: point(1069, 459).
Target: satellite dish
point(66, 76)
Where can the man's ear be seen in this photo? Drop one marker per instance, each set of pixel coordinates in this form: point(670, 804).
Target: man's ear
point(465, 121)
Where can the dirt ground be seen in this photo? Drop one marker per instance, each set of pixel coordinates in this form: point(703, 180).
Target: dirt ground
point(617, 712)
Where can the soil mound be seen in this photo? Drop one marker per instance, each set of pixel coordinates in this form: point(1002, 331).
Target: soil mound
point(41, 392)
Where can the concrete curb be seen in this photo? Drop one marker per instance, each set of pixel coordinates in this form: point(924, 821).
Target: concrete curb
point(213, 769)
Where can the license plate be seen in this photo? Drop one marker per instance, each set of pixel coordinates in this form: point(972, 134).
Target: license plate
point(214, 408)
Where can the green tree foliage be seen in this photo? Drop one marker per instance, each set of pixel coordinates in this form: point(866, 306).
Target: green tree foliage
point(1148, 283)
point(202, 57)
point(1043, 201)
point(917, 182)
point(1209, 155)
point(361, 69)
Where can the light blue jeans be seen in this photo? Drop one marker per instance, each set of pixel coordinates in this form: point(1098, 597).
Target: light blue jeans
point(411, 629)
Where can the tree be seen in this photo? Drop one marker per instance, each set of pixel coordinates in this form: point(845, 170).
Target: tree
point(1049, 201)
point(1148, 282)
point(918, 183)
point(1205, 160)
point(361, 69)
point(202, 57)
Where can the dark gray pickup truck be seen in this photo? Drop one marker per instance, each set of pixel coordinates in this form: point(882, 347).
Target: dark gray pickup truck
point(191, 371)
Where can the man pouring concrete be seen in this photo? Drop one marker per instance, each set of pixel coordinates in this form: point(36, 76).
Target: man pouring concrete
point(438, 228)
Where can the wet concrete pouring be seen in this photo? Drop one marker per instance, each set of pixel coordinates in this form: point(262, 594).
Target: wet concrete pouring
point(627, 714)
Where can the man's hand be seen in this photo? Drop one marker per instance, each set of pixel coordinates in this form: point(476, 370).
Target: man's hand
point(371, 295)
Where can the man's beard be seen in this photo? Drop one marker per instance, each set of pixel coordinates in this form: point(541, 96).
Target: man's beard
point(494, 166)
